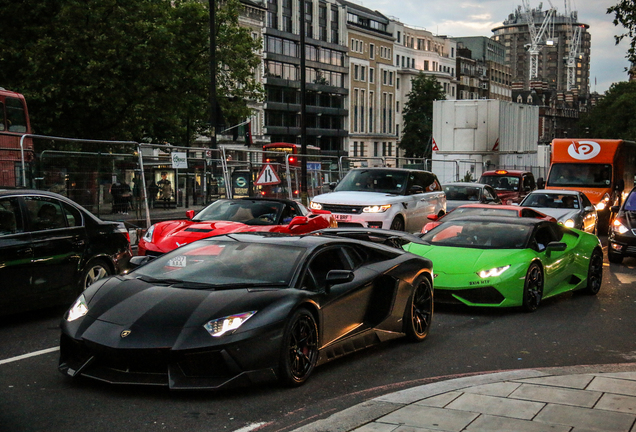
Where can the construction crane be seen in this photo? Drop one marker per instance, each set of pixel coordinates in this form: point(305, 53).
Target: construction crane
point(536, 37)
point(574, 32)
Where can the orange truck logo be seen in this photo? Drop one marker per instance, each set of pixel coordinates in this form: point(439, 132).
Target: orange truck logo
point(584, 150)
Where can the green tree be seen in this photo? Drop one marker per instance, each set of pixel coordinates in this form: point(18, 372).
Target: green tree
point(136, 70)
point(613, 116)
point(418, 115)
point(625, 14)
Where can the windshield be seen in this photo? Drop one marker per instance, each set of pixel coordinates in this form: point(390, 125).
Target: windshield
point(249, 212)
point(479, 234)
point(580, 174)
point(501, 182)
point(376, 180)
point(630, 204)
point(462, 193)
point(552, 200)
point(222, 263)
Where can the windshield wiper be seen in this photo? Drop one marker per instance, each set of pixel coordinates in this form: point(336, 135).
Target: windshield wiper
point(152, 280)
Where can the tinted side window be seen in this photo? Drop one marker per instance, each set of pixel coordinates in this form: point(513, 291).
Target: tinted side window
point(586, 201)
point(427, 180)
point(331, 259)
point(73, 215)
point(10, 216)
point(44, 213)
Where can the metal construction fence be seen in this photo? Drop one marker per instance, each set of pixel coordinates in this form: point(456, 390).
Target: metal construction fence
point(140, 183)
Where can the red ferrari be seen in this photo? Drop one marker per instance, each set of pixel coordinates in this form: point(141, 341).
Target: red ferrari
point(227, 216)
point(485, 210)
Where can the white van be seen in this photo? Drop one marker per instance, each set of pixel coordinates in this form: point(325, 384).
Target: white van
point(390, 198)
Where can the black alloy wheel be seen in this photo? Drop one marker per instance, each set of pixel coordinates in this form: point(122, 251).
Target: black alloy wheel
point(419, 312)
point(397, 224)
point(300, 348)
point(595, 272)
point(533, 288)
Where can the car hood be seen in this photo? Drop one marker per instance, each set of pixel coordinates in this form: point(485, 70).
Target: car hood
point(445, 259)
point(171, 235)
point(130, 313)
point(357, 198)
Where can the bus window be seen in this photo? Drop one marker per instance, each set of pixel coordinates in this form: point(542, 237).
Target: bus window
point(2, 121)
point(16, 118)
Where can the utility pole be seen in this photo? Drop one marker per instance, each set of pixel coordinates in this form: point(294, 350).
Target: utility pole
point(213, 102)
point(303, 109)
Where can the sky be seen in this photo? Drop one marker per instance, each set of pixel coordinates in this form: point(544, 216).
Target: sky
point(479, 17)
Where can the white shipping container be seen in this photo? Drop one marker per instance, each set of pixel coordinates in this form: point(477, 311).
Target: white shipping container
point(484, 126)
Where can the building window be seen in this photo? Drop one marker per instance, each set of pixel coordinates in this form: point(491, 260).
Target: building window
point(390, 78)
point(399, 35)
point(375, 148)
point(361, 110)
point(363, 70)
point(355, 110)
point(371, 51)
point(397, 83)
point(371, 75)
point(371, 112)
point(355, 148)
point(355, 72)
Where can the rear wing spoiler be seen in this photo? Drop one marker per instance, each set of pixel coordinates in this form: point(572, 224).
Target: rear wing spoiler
point(392, 238)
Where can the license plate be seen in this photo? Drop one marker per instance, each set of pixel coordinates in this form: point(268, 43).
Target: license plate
point(342, 217)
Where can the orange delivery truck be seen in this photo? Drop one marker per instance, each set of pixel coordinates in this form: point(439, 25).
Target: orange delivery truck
point(603, 169)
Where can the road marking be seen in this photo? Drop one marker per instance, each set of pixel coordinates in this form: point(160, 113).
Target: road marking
point(251, 427)
point(625, 278)
point(33, 354)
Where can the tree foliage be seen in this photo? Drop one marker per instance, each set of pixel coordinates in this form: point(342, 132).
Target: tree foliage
point(625, 14)
point(125, 70)
point(418, 115)
point(613, 116)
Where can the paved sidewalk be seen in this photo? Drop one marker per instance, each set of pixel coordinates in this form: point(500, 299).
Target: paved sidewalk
point(572, 399)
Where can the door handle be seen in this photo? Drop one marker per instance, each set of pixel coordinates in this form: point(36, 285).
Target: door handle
point(79, 243)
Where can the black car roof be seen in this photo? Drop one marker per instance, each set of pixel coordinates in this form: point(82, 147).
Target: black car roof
point(36, 192)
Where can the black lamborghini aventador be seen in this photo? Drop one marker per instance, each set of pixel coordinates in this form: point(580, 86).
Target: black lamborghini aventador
point(246, 308)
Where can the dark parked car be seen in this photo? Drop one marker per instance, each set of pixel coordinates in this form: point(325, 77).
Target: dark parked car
point(51, 249)
point(244, 308)
point(621, 240)
point(460, 193)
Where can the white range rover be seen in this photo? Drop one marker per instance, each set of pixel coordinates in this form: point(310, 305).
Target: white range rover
point(399, 199)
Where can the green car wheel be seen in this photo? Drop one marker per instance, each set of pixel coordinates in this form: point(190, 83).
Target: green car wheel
point(533, 288)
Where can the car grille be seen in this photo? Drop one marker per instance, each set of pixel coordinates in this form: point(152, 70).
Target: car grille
point(630, 250)
point(349, 225)
point(484, 295)
point(346, 209)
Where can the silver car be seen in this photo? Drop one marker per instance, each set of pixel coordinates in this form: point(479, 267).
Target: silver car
point(572, 208)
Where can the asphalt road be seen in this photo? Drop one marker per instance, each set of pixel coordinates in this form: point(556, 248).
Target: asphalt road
point(572, 329)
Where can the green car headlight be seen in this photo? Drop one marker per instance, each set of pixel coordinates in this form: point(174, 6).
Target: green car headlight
point(376, 208)
point(492, 272)
point(220, 326)
point(78, 310)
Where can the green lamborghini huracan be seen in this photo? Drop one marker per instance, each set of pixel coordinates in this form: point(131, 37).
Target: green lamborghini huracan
point(503, 262)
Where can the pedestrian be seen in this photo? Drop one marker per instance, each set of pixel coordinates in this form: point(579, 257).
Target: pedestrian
point(165, 190)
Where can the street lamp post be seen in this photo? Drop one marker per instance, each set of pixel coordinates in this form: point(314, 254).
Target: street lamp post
point(303, 108)
point(213, 102)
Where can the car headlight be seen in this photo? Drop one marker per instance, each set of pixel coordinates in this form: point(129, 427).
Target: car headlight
point(619, 227)
point(603, 203)
point(494, 272)
point(315, 206)
point(569, 223)
point(148, 236)
point(220, 326)
point(376, 208)
point(78, 310)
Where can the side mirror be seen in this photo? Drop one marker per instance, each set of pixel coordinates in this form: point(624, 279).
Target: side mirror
point(432, 217)
point(138, 261)
point(556, 246)
point(416, 189)
point(298, 220)
point(540, 183)
point(335, 277)
point(189, 214)
point(332, 185)
point(613, 209)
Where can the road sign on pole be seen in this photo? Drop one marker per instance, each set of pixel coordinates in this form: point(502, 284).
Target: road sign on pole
point(267, 176)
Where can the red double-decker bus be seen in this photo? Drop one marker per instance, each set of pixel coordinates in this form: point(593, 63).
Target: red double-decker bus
point(14, 123)
point(275, 154)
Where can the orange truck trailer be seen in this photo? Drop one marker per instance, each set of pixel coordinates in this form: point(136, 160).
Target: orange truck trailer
point(603, 169)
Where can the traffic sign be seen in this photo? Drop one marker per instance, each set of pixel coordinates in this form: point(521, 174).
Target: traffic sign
point(267, 176)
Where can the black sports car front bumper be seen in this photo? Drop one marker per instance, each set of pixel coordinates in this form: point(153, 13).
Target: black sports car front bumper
point(246, 362)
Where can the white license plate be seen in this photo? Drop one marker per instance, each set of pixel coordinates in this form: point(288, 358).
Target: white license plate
point(179, 261)
point(342, 217)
